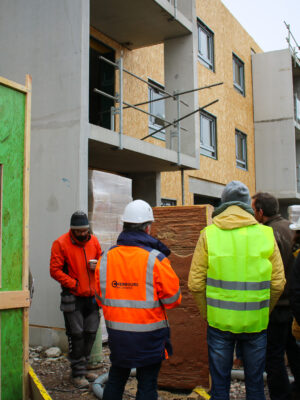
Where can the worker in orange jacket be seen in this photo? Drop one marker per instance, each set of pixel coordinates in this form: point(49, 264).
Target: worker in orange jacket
point(73, 261)
point(135, 284)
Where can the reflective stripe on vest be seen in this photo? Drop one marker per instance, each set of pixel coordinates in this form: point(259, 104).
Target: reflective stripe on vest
point(149, 303)
point(239, 277)
point(123, 326)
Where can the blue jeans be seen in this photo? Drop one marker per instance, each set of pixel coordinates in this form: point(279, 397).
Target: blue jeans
point(146, 377)
point(220, 352)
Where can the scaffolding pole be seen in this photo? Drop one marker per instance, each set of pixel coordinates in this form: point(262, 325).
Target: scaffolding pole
point(180, 119)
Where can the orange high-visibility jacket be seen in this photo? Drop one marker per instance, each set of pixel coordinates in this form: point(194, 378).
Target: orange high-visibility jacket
point(134, 285)
point(69, 263)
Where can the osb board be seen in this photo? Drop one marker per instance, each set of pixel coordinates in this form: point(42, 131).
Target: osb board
point(179, 229)
point(12, 123)
point(233, 111)
point(15, 109)
point(11, 354)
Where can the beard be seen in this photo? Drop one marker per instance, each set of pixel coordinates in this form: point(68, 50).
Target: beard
point(81, 238)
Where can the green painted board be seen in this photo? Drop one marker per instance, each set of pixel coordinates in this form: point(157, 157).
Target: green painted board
point(12, 124)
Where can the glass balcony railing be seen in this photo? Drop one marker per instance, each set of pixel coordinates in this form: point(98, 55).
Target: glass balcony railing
point(297, 109)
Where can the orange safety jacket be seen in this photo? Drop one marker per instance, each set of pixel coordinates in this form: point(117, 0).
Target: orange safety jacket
point(69, 263)
point(134, 285)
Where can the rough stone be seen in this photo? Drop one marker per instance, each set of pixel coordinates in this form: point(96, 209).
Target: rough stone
point(179, 228)
point(53, 352)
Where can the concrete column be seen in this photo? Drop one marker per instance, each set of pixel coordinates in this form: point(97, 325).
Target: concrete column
point(180, 58)
point(50, 41)
point(146, 186)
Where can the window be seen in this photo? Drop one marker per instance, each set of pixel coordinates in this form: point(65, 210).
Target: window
point(157, 108)
point(168, 202)
point(102, 77)
point(241, 149)
point(208, 142)
point(238, 74)
point(205, 45)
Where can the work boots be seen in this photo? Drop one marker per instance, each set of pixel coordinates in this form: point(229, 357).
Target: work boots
point(90, 376)
point(80, 382)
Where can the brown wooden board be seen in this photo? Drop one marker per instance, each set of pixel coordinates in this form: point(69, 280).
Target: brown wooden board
point(179, 229)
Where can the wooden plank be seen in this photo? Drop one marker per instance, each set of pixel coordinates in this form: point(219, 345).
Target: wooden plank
point(1, 186)
point(26, 184)
point(25, 273)
point(14, 299)
point(38, 392)
point(14, 85)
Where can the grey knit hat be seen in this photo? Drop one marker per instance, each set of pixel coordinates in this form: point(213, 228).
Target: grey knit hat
point(236, 191)
point(79, 220)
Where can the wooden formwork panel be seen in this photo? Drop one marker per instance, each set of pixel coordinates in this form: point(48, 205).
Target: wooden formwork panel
point(15, 109)
point(179, 228)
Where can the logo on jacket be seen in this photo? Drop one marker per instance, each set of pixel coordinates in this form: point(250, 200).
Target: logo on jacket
point(123, 285)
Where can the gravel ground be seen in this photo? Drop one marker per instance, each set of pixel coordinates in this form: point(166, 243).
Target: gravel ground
point(54, 373)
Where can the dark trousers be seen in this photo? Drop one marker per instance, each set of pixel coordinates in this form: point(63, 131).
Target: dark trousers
point(220, 352)
point(146, 377)
point(281, 341)
point(81, 328)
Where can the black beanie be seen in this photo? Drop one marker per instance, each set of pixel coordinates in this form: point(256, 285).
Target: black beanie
point(79, 220)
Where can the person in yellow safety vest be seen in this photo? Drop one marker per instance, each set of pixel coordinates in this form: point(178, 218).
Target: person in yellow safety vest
point(135, 284)
point(236, 278)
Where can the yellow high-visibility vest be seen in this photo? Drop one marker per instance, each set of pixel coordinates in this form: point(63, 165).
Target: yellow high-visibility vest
point(239, 277)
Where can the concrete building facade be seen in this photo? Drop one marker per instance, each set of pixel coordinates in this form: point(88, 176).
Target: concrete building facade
point(54, 42)
point(277, 125)
point(87, 57)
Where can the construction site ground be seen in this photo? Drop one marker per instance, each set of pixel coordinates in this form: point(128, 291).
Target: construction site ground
point(54, 374)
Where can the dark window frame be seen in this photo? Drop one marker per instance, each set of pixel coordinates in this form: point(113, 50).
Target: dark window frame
point(207, 150)
point(207, 60)
point(152, 125)
point(239, 84)
point(165, 200)
point(241, 163)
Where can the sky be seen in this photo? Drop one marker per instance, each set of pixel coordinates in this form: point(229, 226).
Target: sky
point(263, 20)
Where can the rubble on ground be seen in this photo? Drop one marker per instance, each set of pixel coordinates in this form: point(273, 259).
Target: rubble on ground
point(54, 373)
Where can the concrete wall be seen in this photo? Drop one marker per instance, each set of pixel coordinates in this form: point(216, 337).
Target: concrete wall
point(273, 86)
point(50, 41)
point(274, 123)
point(276, 158)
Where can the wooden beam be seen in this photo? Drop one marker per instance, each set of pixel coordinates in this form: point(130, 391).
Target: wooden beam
point(25, 272)
point(14, 85)
point(14, 299)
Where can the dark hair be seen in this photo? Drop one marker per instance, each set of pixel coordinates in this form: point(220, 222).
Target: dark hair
point(266, 202)
point(128, 226)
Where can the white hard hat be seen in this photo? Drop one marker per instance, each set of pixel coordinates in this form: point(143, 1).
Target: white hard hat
point(137, 212)
point(295, 226)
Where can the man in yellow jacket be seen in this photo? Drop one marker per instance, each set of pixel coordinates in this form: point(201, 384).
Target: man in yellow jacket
point(236, 278)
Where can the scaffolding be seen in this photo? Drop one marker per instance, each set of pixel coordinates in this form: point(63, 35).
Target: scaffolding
point(123, 105)
point(292, 44)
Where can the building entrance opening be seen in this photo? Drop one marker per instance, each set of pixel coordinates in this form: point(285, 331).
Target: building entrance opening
point(102, 76)
point(214, 201)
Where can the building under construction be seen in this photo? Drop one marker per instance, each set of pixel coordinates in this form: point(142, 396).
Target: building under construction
point(171, 98)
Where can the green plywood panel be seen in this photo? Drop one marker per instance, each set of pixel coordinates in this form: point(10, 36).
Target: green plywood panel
point(12, 354)
point(12, 116)
point(12, 124)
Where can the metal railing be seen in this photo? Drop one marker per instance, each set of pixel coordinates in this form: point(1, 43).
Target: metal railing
point(119, 110)
point(292, 43)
